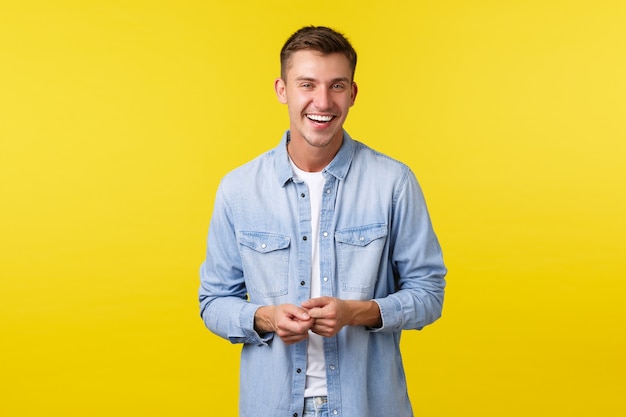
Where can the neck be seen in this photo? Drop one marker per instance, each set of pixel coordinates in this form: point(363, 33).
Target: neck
point(311, 158)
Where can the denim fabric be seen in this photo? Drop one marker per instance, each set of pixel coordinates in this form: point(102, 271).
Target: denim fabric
point(376, 242)
point(315, 407)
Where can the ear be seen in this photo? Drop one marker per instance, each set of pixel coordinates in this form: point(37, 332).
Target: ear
point(355, 89)
point(279, 87)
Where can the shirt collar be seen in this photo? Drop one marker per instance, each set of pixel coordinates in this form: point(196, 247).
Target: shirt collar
point(338, 167)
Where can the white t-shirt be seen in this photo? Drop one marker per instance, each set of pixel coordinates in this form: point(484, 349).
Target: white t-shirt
point(315, 367)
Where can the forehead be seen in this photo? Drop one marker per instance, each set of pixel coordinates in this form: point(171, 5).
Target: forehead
point(314, 64)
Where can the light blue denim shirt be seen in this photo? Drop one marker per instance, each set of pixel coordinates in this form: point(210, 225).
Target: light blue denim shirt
point(376, 242)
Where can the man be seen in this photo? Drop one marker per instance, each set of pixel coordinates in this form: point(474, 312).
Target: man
point(320, 252)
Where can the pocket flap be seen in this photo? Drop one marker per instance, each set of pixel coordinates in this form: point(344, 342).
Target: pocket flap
point(361, 236)
point(263, 242)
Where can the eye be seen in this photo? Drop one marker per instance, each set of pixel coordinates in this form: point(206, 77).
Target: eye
point(338, 86)
point(306, 85)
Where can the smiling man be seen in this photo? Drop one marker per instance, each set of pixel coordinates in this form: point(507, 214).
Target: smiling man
point(320, 252)
point(319, 90)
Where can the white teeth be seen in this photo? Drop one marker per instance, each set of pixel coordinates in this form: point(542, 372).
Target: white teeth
point(319, 118)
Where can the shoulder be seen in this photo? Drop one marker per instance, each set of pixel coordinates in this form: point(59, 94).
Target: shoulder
point(251, 171)
point(371, 160)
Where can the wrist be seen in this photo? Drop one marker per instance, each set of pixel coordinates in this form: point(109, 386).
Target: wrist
point(364, 313)
point(263, 322)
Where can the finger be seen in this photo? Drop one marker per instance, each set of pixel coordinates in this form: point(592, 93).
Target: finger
point(316, 313)
point(290, 340)
point(294, 326)
point(296, 312)
point(316, 302)
point(323, 331)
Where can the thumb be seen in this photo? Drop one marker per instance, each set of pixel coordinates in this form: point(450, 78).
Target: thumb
point(308, 304)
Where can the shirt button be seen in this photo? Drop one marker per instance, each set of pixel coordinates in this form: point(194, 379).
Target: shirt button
point(263, 245)
point(361, 238)
point(295, 414)
point(328, 191)
point(332, 367)
point(325, 234)
point(325, 279)
point(335, 412)
point(302, 282)
point(298, 370)
point(302, 195)
point(303, 237)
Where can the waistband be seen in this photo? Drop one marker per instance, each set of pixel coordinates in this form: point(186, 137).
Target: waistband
point(317, 400)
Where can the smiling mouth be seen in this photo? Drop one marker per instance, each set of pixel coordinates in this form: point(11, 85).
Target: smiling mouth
point(319, 118)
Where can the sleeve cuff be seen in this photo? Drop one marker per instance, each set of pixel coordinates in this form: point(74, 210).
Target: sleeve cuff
point(246, 322)
point(390, 315)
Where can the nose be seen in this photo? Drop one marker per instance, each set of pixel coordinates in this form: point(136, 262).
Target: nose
point(322, 99)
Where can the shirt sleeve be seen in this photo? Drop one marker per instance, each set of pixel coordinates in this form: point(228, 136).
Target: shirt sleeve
point(224, 305)
point(417, 262)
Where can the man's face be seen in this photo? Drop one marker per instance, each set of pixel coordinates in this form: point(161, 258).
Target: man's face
point(318, 91)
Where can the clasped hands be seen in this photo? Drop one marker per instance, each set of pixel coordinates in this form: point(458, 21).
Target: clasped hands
point(325, 316)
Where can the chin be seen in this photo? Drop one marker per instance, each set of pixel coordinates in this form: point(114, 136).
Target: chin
point(319, 142)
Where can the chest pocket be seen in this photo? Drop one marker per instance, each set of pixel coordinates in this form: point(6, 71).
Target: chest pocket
point(265, 260)
point(359, 254)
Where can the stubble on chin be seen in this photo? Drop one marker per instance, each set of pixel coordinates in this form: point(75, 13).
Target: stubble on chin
point(318, 143)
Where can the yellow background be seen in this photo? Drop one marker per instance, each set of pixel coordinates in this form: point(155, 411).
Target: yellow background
point(118, 118)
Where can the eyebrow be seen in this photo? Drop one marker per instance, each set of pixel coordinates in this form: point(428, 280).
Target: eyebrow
point(334, 80)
